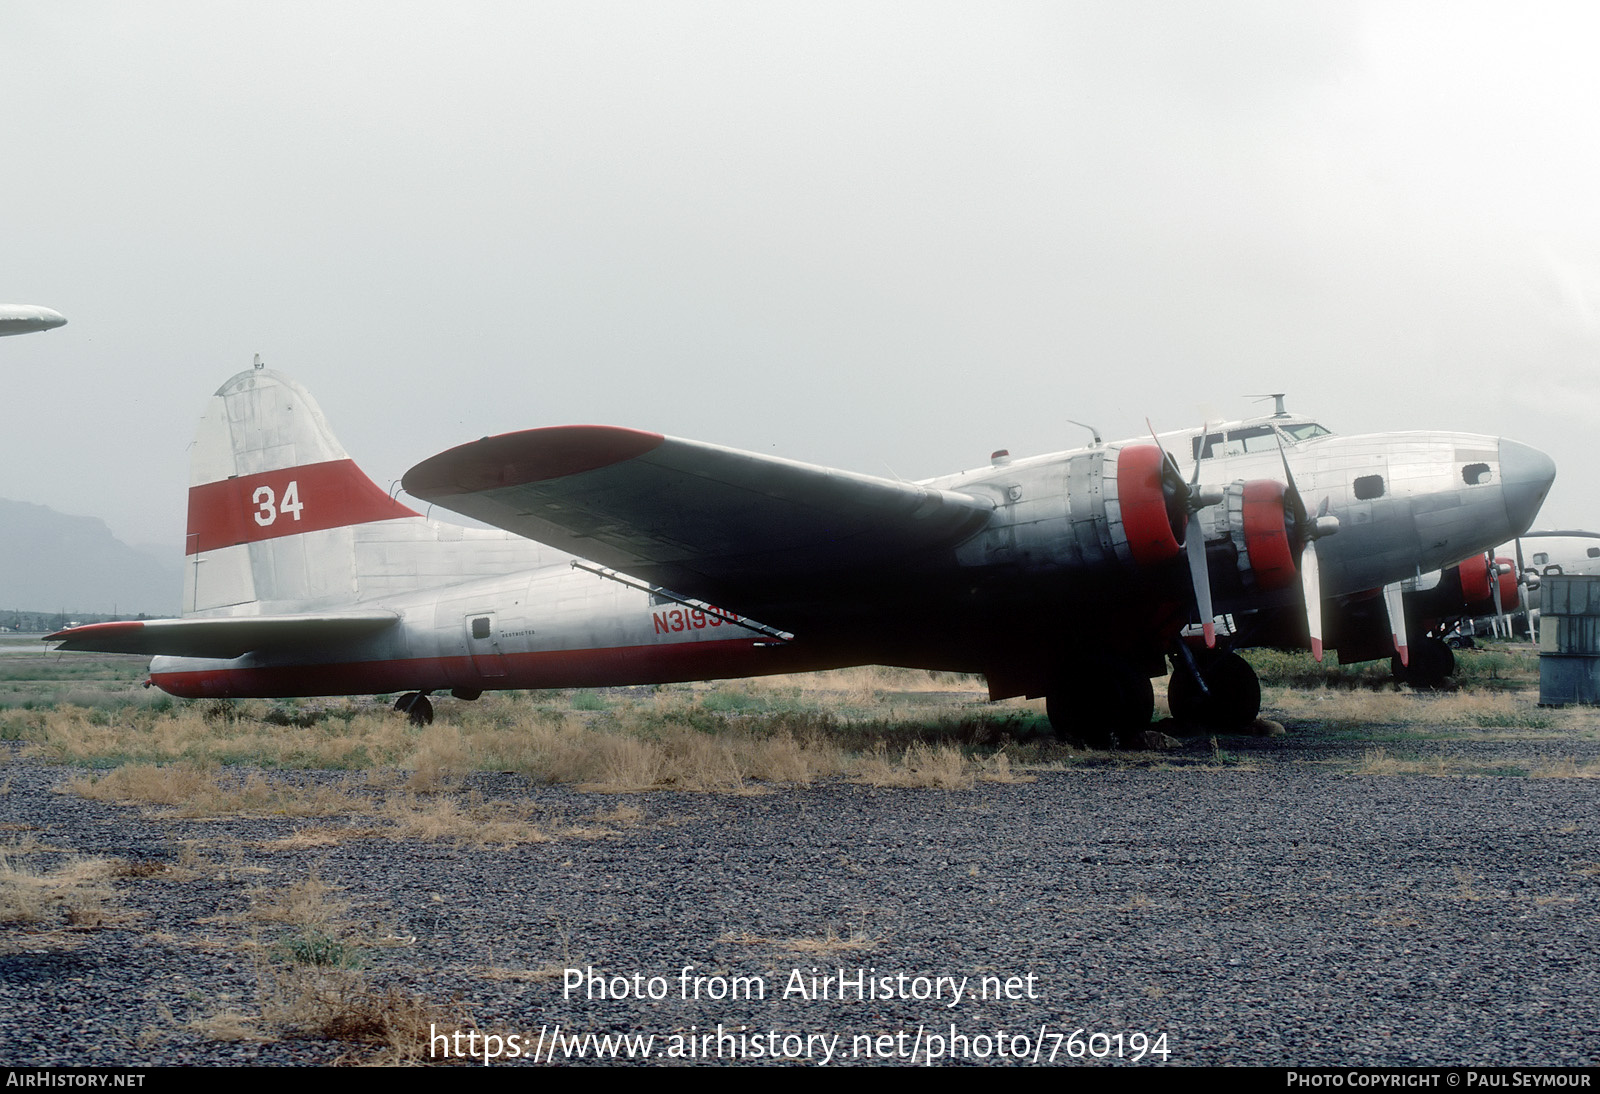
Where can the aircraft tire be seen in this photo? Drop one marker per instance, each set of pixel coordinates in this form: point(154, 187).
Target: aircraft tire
point(1432, 665)
point(1099, 700)
point(416, 707)
point(1234, 700)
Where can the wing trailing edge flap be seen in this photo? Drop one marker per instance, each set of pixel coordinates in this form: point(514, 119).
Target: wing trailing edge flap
point(223, 637)
point(692, 516)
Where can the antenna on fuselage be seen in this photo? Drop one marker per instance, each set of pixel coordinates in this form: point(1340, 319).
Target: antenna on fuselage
point(1093, 432)
point(1277, 397)
point(258, 361)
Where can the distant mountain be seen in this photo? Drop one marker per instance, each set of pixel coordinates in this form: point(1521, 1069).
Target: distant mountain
point(53, 562)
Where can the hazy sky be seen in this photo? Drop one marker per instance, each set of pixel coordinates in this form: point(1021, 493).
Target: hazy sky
point(885, 237)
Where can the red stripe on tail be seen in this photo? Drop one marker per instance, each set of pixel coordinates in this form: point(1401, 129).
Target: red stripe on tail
point(286, 502)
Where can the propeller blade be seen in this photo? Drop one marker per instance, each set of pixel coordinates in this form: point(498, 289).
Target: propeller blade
point(1394, 601)
point(1194, 481)
point(1311, 585)
point(1194, 542)
point(1194, 545)
point(1494, 587)
point(1296, 502)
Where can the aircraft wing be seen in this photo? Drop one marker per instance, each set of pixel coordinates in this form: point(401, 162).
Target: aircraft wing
point(224, 637)
point(697, 518)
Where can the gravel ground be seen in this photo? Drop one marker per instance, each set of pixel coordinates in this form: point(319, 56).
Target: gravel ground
point(1282, 911)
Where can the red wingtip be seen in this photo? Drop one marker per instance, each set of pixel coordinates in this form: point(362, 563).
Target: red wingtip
point(1405, 658)
point(1210, 630)
point(1316, 649)
point(534, 455)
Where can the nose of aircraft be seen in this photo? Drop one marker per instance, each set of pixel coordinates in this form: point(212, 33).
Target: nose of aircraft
point(1525, 478)
point(52, 318)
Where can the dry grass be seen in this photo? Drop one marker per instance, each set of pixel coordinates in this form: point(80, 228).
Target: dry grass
point(1568, 768)
point(728, 737)
point(75, 894)
point(194, 791)
point(312, 982)
point(829, 941)
point(941, 768)
point(467, 821)
point(997, 769)
point(1468, 711)
point(1379, 761)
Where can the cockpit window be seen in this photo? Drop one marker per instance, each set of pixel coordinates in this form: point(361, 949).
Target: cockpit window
point(1253, 438)
point(1304, 431)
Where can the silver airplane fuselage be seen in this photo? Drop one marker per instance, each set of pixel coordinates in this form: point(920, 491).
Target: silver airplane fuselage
point(28, 319)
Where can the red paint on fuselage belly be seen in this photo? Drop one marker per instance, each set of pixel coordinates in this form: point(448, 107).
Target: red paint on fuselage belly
point(615, 667)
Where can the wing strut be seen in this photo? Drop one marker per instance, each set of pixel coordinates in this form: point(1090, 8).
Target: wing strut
point(698, 605)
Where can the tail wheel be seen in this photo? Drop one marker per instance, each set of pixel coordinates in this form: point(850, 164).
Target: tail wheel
point(1230, 701)
point(416, 707)
point(1095, 701)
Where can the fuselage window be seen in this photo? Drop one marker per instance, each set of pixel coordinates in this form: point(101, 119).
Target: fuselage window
point(1593, 552)
point(1369, 487)
point(1540, 558)
point(480, 627)
point(1476, 474)
point(1552, 570)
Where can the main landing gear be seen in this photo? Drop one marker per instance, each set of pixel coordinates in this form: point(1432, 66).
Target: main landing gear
point(1213, 690)
point(1105, 701)
point(1432, 665)
point(415, 706)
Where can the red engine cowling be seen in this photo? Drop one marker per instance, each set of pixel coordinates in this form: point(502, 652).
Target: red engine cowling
point(1260, 522)
point(1477, 589)
point(1473, 574)
point(1153, 517)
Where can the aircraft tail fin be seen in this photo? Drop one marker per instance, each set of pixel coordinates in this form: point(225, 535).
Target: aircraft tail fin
point(274, 502)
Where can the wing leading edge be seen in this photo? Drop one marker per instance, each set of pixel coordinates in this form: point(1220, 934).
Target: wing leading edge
point(695, 517)
point(224, 637)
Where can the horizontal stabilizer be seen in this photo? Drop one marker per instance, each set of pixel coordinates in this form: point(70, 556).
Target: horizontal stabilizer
point(224, 637)
point(695, 517)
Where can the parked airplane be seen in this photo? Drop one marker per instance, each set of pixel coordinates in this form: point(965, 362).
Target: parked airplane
point(1539, 554)
point(28, 318)
point(1550, 553)
point(626, 557)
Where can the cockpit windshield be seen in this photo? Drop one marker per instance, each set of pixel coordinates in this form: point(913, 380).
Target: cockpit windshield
point(1253, 438)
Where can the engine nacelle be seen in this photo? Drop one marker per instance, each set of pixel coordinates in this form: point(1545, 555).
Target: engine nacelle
point(1477, 583)
point(1473, 576)
point(1252, 538)
point(1098, 513)
point(1153, 517)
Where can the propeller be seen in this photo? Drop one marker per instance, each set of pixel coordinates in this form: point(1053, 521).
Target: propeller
point(1527, 581)
point(1194, 499)
point(1308, 530)
point(1494, 589)
point(1395, 604)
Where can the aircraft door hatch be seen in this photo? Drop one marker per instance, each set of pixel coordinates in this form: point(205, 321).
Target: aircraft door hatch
point(483, 644)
